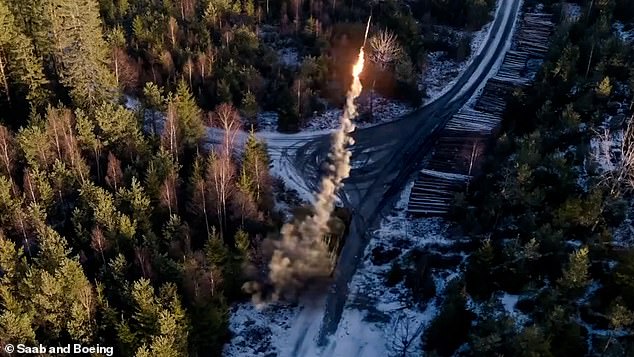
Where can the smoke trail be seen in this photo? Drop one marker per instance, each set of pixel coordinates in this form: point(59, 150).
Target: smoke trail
point(302, 257)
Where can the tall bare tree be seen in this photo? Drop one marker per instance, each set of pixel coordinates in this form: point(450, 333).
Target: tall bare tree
point(114, 176)
point(385, 51)
point(7, 151)
point(172, 136)
point(619, 176)
point(221, 169)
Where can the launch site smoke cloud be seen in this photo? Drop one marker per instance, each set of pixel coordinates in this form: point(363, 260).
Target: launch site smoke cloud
point(302, 255)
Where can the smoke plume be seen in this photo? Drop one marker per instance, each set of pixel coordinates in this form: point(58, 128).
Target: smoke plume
point(302, 257)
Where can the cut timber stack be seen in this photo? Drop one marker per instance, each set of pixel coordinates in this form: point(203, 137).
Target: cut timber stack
point(457, 152)
point(433, 192)
point(469, 122)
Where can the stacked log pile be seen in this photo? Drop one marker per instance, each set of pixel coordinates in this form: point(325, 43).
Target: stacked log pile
point(457, 152)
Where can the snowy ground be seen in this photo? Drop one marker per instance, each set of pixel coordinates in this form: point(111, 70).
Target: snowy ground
point(441, 72)
point(384, 110)
point(572, 11)
point(375, 319)
point(623, 31)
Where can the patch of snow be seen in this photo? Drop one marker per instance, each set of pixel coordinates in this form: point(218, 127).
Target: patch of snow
point(289, 57)
point(624, 32)
point(605, 149)
point(509, 301)
point(571, 12)
point(256, 332)
point(267, 121)
point(284, 169)
point(151, 119)
point(384, 110)
point(377, 318)
point(442, 73)
point(329, 119)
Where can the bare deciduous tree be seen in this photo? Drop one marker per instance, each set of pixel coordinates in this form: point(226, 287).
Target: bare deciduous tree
point(619, 169)
point(385, 48)
point(204, 64)
point(168, 192)
point(171, 137)
point(189, 69)
point(114, 176)
point(227, 118)
point(99, 243)
point(7, 151)
point(142, 256)
point(404, 334)
point(172, 25)
point(221, 170)
point(200, 281)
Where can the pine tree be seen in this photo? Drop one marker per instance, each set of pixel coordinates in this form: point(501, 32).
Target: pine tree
point(243, 200)
point(256, 164)
point(249, 106)
point(243, 242)
point(31, 19)
point(18, 61)
point(576, 275)
point(154, 102)
point(16, 316)
point(118, 129)
point(605, 88)
point(189, 115)
point(81, 51)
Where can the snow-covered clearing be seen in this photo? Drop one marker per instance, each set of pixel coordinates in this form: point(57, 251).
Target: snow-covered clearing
point(376, 318)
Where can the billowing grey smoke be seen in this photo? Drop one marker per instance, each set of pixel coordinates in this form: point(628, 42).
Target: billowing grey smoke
point(302, 256)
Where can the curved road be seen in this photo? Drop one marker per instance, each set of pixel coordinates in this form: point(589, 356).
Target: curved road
point(385, 157)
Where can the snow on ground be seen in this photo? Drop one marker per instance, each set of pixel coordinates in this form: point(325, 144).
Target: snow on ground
point(267, 121)
point(509, 301)
point(623, 31)
point(288, 56)
point(605, 147)
point(571, 11)
point(329, 119)
point(383, 109)
point(258, 331)
point(442, 73)
point(377, 318)
point(151, 119)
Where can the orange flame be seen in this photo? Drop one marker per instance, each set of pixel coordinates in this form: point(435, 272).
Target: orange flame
point(358, 67)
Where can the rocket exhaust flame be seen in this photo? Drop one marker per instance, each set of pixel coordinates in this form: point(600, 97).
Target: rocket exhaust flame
point(302, 255)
